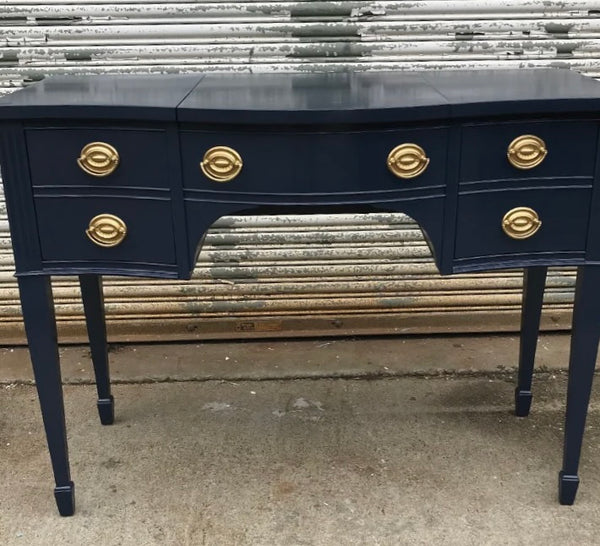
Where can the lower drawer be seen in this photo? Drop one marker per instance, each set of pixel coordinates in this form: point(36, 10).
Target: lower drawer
point(124, 229)
point(563, 213)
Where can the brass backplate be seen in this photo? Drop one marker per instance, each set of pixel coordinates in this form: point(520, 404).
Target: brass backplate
point(521, 223)
point(407, 160)
point(221, 164)
point(526, 152)
point(106, 230)
point(98, 159)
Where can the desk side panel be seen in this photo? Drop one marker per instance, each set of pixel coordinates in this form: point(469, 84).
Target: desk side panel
point(14, 163)
point(593, 240)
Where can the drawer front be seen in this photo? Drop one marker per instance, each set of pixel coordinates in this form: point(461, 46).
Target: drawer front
point(64, 223)
point(317, 163)
point(59, 157)
point(570, 150)
point(563, 214)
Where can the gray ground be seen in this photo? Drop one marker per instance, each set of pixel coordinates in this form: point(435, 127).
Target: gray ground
point(282, 443)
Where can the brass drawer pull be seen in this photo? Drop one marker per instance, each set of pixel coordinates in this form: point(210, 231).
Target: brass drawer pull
point(527, 151)
point(221, 164)
point(407, 160)
point(106, 230)
point(98, 159)
point(521, 223)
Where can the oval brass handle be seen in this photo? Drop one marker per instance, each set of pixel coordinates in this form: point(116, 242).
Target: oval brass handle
point(527, 151)
point(221, 164)
point(521, 223)
point(407, 160)
point(106, 230)
point(98, 158)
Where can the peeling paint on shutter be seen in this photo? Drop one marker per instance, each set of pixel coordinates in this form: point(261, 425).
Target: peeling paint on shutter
point(296, 275)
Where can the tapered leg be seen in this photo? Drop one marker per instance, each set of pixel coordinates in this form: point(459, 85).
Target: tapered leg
point(40, 325)
point(93, 304)
point(582, 362)
point(534, 282)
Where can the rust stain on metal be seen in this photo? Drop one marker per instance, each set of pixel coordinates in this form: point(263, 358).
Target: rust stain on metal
point(259, 326)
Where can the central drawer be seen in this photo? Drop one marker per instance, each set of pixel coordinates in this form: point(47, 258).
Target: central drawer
point(87, 228)
point(314, 162)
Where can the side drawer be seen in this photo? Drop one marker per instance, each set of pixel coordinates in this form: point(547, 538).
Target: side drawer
point(141, 157)
point(314, 163)
point(63, 223)
point(563, 213)
point(570, 145)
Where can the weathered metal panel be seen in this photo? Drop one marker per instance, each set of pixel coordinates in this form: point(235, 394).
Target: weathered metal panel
point(292, 275)
point(56, 37)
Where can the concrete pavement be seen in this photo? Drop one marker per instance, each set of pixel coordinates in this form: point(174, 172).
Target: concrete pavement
point(350, 442)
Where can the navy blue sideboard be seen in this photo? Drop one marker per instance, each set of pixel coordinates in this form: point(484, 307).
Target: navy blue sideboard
point(123, 175)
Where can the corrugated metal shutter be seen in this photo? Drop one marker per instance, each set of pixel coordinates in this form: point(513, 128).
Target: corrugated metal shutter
point(292, 275)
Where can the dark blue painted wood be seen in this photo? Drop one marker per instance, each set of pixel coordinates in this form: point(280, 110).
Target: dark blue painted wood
point(338, 164)
point(386, 97)
point(563, 212)
point(582, 363)
point(202, 213)
point(571, 149)
point(40, 326)
point(515, 261)
point(446, 261)
point(516, 93)
point(534, 282)
point(103, 97)
point(18, 195)
point(101, 267)
point(362, 97)
point(593, 244)
point(184, 266)
point(319, 99)
point(310, 143)
point(63, 219)
point(142, 158)
point(93, 305)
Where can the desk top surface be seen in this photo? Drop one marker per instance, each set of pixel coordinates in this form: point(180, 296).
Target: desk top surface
point(360, 97)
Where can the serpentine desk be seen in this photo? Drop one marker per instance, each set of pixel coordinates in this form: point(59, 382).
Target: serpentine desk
point(123, 175)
